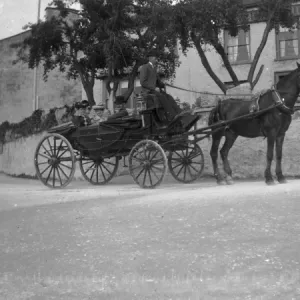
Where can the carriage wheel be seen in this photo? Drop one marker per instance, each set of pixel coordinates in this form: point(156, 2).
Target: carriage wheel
point(147, 164)
point(186, 165)
point(99, 171)
point(54, 161)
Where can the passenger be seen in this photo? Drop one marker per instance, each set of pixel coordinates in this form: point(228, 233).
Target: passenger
point(81, 115)
point(98, 114)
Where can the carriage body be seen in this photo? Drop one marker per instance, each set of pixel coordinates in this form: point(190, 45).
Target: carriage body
point(99, 147)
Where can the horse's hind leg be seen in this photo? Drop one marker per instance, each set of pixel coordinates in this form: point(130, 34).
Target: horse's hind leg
point(230, 138)
point(216, 139)
point(278, 170)
point(270, 153)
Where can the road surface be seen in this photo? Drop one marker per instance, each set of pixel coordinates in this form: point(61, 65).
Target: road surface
point(198, 241)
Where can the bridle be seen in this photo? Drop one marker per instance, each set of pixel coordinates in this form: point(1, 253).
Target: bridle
point(279, 102)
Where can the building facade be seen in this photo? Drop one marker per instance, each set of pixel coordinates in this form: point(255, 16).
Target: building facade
point(278, 57)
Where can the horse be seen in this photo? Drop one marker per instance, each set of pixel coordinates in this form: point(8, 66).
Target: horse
point(272, 124)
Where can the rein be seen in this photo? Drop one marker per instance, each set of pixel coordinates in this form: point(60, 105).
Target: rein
point(280, 102)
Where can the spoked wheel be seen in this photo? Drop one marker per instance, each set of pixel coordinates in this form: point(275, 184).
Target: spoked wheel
point(186, 165)
point(99, 171)
point(54, 161)
point(147, 164)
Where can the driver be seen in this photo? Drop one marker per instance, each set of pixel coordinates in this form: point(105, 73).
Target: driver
point(149, 81)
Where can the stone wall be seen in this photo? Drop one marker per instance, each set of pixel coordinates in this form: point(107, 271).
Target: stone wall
point(18, 158)
point(247, 157)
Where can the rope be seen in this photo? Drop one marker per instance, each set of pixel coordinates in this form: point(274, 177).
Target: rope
point(206, 93)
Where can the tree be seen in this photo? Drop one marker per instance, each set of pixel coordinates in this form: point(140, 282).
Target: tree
point(200, 22)
point(59, 42)
point(109, 37)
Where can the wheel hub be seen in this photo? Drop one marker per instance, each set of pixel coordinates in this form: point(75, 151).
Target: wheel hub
point(53, 161)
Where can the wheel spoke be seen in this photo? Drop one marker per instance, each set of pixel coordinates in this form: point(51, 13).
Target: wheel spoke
point(59, 177)
point(180, 170)
point(92, 174)
point(54, 150)
point(92, 166)
point(102, 172)
point(47, 157)
point(50, 146)
point(180, 164)
point(43, 163)
point(184, 174)
point(136, 167)
point(102, 164)
point(63, 153)
point(70, 168)
point(53, 179)
point(58, 149)
point(97, 174)
point(157, 168)
point(46, 150)
point(193, 167)
point(154, 173)
point(137, 177)
point(49, 174)
point(109, 163)
point(155, 154)
point(150, 177)
point(87, 162)
point(58, 166)
point(144, 180)
point(45, 169)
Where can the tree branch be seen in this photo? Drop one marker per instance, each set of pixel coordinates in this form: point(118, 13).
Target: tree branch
point(220, 49)
point(205, 63)
point(253, 84)
point(260, 48)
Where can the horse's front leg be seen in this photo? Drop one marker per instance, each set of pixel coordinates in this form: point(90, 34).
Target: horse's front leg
point(278, 170)
point(230, 137)
point(214, 157)
point(270, 152)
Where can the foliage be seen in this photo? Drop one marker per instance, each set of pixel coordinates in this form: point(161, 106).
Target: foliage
point(201, 22)
point(186, 106)
point(33, 124)
point(108, 38)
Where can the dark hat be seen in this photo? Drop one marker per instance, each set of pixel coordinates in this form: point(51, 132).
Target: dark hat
point(152, 53)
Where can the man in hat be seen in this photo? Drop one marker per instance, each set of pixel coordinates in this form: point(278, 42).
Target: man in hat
point(149, 81)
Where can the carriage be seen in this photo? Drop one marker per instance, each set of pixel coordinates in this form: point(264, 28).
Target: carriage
point(152, 150)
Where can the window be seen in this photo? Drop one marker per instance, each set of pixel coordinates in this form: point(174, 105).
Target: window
point(238, 47)
point(287, 43)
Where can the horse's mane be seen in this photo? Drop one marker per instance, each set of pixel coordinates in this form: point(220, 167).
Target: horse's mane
point(287, 78)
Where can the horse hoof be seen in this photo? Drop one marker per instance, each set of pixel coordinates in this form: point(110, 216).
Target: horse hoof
point(221, 182)
point(270, 182)
point(282, 180)
point(230, 181)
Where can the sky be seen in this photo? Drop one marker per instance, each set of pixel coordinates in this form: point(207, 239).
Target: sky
point(14, 14)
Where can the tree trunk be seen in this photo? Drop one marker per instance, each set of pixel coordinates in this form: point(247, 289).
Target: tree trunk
point(131, 80)
point(258, 54)
point(206, 64)
point(87, 82)
point(220, 49)
point(89, 90)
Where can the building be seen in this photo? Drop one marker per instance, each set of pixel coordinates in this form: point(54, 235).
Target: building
point(278, 57)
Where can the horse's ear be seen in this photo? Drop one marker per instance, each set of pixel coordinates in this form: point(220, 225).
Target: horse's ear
point(298, 65)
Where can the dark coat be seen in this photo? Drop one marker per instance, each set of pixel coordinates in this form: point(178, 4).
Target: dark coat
point(149, 79)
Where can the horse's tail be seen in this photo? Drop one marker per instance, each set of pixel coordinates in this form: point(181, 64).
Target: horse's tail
point(214, 115)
